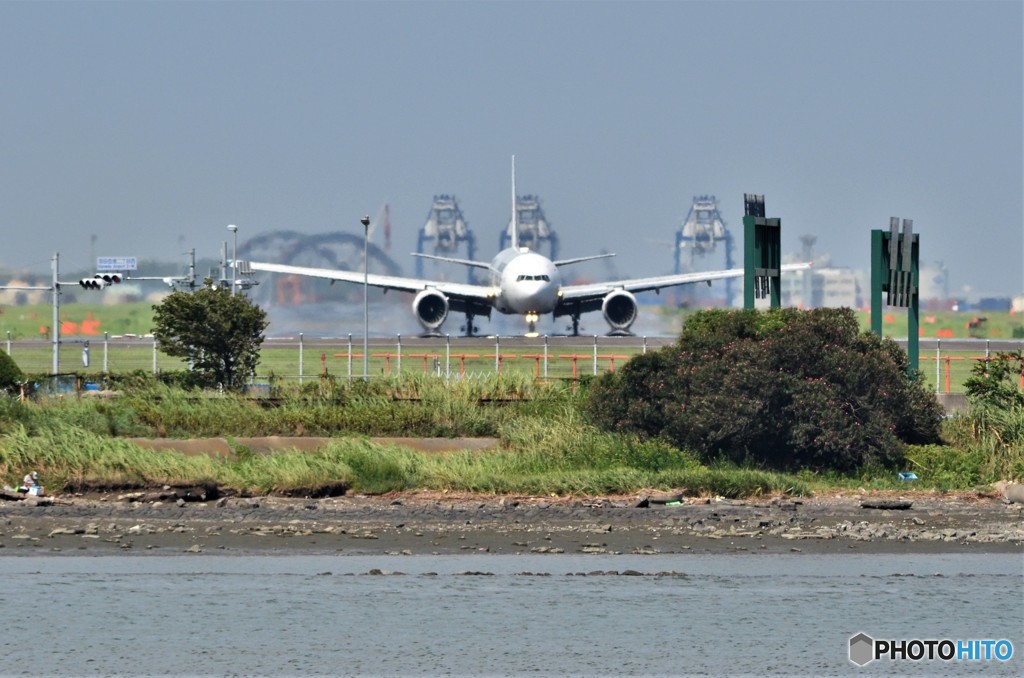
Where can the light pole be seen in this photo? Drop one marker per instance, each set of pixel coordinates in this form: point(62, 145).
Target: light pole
point(234, 256)
point(366, 298)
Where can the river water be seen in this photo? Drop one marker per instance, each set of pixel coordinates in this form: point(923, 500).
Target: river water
point(499, 615)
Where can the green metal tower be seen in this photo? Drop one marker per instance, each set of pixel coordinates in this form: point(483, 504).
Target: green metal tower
point(762, 253)
point(895, 270)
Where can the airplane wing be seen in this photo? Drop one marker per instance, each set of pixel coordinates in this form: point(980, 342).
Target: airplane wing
point(576, 260)
point(592, 293)
point(464, 292)
point(487, 265)
point(452, 260)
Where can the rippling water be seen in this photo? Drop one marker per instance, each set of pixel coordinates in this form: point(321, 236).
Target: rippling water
point(274, 615)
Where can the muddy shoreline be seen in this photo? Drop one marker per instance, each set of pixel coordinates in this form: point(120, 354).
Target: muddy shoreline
point(419, 523)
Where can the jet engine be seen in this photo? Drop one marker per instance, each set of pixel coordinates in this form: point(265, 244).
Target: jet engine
point(431, 308)
point(619, 309)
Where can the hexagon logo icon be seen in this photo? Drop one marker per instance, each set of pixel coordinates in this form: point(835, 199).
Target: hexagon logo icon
point(862, 649)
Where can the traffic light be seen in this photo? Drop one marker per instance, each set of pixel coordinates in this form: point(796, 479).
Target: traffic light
point(100, 280)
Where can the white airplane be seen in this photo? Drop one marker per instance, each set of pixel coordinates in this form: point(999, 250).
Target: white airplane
point(522, 282)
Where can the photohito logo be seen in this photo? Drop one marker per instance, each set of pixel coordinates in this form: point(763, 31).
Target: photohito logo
point(864, 649)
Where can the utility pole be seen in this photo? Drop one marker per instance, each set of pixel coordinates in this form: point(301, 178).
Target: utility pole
point(234, 258)
point(366, 298)
point(55, 332)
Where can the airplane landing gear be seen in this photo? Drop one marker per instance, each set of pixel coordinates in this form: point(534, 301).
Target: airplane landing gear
point(575, 324)
point(531, 324)
point(469, 328)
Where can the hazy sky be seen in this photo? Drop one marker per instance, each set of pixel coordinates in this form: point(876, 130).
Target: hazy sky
point(154, 124)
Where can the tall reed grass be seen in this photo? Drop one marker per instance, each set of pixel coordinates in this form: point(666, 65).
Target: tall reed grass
point(68, 456)
point(992, 437)
point(536, 456)
point(546, 445)
point(413, 406)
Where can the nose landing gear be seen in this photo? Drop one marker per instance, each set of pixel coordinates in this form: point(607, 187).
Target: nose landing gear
point(531, 324)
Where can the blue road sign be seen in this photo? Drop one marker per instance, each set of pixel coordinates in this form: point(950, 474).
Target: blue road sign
point(116, 263)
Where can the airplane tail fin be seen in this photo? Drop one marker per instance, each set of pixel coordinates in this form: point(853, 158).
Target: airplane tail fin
point(515, 212)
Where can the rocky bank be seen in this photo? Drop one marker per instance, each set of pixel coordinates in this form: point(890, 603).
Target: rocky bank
point(184, 522)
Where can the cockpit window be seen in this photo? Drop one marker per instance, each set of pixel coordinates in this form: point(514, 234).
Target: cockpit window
point(545, 278)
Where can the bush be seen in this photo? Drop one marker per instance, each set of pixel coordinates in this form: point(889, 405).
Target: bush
point(994, 382)
point(783, 389)
point(11, 375)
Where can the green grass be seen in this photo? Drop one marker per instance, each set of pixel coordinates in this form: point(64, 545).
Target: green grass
point(68, 457)
point(933, 324)
point(282, 363)
point(546, 446)
point(24, 322)
point(34, 354)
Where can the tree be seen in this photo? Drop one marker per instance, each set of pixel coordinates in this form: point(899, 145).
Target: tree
point(218, 333)
point(783, 388)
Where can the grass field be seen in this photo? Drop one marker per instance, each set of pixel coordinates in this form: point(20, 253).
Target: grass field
point(944, 373)
point(285, 359)
point(77, 320)
point(26, 331)
point(92, 320)
point(937, 324)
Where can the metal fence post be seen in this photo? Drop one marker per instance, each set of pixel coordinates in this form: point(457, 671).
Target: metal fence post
point(127, 355)
point(545, 356)
point(8, 342)
point(398, 366)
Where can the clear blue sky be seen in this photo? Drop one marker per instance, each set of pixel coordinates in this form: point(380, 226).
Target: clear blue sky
point(152, 124)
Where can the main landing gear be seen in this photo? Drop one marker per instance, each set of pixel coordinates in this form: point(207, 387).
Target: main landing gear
point(575, 324)
point(469, 328)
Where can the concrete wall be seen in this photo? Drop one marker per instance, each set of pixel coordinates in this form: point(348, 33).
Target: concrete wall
point(953, 402)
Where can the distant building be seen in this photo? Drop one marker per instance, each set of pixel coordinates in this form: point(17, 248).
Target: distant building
point(822, 285)
point(827, 286)
point(823, 288)
point(993, 304)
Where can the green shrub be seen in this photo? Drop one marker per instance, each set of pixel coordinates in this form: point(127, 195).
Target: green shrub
point(11, 375)
point(992, 430)
point(995, 381)
point(783, 389)
point(944, 466)
point(993, 437)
